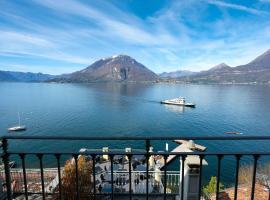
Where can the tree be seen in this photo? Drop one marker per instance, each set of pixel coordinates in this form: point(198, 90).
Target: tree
point(210, 189)
point(85, 171)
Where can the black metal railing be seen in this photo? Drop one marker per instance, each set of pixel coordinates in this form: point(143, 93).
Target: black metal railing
point(94, 192)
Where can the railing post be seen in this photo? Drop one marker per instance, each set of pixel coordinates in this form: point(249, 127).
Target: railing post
point(147, 145)
point(58, 156)
point(200, 176)
point(22, 156)
point(40, 156)
point(75, 156)
point(5, 158)
point(256, 157)
point(218, 176)
point(129, 175)
point(94, 174)
point(238, 157)
point(112, 181)
point(183, 158)
point(165, 176)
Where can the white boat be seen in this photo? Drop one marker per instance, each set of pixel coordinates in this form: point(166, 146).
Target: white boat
point(19, 127)
point(178, 101)
point(233, 133)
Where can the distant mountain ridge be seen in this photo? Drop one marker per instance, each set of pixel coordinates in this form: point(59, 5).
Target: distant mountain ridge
point(256, 71)
point(24, 76)
point(123, 68)
point(116, 68)
point(176, 74)
point(262, 62)
point(220, 67)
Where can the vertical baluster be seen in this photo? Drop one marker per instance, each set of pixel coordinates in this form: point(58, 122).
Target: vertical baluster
point(200, 176)
point(40, 156)
point(147, 167)
point(5, 157)
point(238, 157)
point(139, 184)
point(174, 180)
point(129, 173)
point(256, 157)
point(118, 182)
point(59, 175)
point(182, 176)
point(218, 176)
point(75, 156)
point(165, 176)
point(168, 179)
point(112, 181)
point(143, 185)
point(94, 174)
point(22, 156)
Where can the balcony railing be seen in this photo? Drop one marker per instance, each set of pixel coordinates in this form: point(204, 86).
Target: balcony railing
point(114, 174)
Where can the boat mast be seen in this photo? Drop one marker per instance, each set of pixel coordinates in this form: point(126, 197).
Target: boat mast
point(19, 119)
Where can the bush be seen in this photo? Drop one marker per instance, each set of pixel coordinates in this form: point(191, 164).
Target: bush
point(85, 170)
point(210, 189)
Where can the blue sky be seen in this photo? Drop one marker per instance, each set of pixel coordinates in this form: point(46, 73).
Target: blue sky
point(63, 36)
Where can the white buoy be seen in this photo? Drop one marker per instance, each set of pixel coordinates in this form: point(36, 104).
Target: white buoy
point(105, 150)
point(127, 150)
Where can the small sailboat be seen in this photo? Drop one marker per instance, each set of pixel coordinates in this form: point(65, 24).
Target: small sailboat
point(19, 127)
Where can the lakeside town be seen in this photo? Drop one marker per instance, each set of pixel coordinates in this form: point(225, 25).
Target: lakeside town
point(134, 100)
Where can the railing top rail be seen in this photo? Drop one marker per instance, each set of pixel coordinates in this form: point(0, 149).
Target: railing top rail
point(113, 153)
point(119, 138)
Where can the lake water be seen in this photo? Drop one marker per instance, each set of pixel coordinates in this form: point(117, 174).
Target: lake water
point(134, 110)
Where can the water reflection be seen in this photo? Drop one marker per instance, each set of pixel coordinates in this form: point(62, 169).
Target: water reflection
point(118, 95)
point(174, 108)
point(125, 89)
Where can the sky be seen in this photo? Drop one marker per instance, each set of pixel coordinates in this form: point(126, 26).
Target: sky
point(63, 36)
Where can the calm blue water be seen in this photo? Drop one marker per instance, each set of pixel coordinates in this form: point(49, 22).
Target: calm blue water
point(134, 110)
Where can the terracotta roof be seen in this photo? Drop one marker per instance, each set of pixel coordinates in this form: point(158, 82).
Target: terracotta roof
point(244, 191)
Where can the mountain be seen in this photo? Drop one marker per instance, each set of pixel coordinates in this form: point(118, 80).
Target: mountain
point(115, 68)
point(222, 67)
point(24, 76)
point(257, 71)
point(176, 74)
point(124, 68)
point(215, 74)
point(218, 70)
point(5, 76)
point(262, 62)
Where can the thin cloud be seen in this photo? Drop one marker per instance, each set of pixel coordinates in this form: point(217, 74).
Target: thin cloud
point(128, 28)
point(11, 36)
point(180, 35)
point(238, 7)
point(58, 56)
